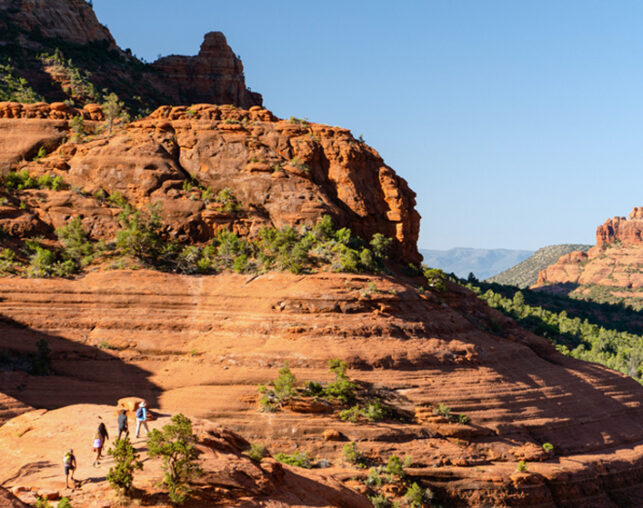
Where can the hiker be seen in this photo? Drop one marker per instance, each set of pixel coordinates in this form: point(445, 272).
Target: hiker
point(97, 447)
point(69, 461)
point(122, 424)
point(141, 418)
point(104, 436)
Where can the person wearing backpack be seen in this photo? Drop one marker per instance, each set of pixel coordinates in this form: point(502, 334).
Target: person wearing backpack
point(141, 418)
point(69, 461)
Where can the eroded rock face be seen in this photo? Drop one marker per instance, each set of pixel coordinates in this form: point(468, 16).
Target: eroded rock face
point(69, 20)
point(31, 27)
point(201, 345)
point(613, 267)
point(619, 229)
point(282, 172)
point(214, 72)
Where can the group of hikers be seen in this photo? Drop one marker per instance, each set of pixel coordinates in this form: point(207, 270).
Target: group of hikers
point(101, 436)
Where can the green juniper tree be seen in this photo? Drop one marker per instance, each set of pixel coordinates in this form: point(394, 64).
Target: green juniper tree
point(175, 444)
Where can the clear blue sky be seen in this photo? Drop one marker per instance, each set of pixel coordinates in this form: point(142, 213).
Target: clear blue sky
point(519, 124)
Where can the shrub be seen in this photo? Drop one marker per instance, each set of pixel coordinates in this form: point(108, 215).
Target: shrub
point(64, 503)
point(229, 201)
point(548, 447)
point(375, 411)
point(76, 245)
point(268, 400)
point(380, 245)
point(42, 152)
point(297, 459)
point(256, 452)
point(351, 414)
point(373, 479)
point(314, 388)
point(77, 126)
point(435, 279)
point(416, 496)
point(42, 502)
point(395, 466)
point(7, 261)
point(43, 263)
point(464, 419)
point(341, 388)
point(443, 410)
point(380, 501)
point(121, 475)
point(522, 466)
point(174, 443)
point(138, 236)
point(352, 455)
point(285, 383)
point(283, 387)
point(113, 109)
point(118, 199)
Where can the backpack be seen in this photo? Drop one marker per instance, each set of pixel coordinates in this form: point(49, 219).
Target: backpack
point(67, 459)
point(140, 413)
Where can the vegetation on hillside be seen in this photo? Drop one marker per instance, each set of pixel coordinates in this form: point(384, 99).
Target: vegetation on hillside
point(142, 242)
point(525, 274)
point(610, 335)
point(14, 87)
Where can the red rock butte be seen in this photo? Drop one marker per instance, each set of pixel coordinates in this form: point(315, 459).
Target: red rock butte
point(611, 269)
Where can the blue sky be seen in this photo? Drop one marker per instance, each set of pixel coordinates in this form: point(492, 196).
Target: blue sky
point(518, 124)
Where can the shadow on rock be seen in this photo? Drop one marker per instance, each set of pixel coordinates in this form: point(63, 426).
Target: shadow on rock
point(47, 371)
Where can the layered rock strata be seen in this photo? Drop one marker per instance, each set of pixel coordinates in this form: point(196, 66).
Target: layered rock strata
point(201, 345)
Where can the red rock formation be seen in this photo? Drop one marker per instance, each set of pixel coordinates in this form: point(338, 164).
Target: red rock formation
point(31, 27)
point(282, 172)
point(69, 20)
point(214, 72)
point(612, 267)
point(200, 345)
point(619, 229)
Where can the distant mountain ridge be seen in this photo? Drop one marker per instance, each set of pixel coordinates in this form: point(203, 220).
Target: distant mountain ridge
point(525, 273)
point(482, 262)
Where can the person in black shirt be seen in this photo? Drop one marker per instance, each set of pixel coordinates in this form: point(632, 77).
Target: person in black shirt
point(122, 424)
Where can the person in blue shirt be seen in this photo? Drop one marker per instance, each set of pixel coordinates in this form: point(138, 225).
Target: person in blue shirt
point(141, 418)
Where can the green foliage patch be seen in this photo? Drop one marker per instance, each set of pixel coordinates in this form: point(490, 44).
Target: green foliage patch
point(175, 445)
point(126, 460)
point(575, 336)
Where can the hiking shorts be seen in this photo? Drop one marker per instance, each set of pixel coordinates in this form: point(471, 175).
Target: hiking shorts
point(68, 468)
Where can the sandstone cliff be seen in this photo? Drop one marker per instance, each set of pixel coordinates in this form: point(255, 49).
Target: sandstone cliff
point(88, 60)
point(284, 172)
point(610, 272)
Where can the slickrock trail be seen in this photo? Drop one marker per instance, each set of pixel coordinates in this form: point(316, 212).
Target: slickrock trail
point(610, 271)
point(201, 344)
point(31, 466)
